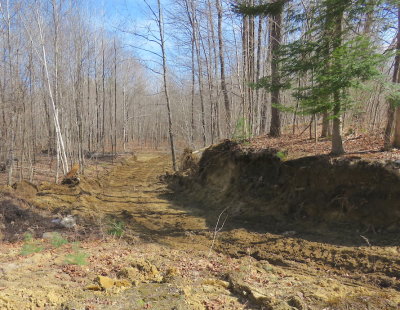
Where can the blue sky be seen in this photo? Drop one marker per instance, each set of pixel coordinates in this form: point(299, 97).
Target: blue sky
point(130, 15)
point(116, 7)
point(112, 12)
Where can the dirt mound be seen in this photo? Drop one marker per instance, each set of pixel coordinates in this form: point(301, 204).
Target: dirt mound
point(28, 208)
point(17, 218)
point(188, 161)
point(141, 271)
point(25, 188)
point(262, 187)
point(157, 239)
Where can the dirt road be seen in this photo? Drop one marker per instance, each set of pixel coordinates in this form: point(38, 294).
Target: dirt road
point(163, 260)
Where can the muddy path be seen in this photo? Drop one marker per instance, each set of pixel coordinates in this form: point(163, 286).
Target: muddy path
point(245, 269)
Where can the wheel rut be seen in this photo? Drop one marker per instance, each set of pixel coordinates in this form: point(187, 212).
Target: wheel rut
point(272, 268)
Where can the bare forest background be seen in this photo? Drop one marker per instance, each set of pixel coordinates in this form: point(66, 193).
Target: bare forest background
point(73, 86)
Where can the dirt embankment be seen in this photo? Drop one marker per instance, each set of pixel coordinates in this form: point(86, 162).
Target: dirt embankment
point(262, 187)
point(165, 259)
point(323, 217)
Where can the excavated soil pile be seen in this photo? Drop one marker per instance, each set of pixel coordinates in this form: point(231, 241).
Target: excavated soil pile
point(145, 246)
point(261, 187)
point(17, 218)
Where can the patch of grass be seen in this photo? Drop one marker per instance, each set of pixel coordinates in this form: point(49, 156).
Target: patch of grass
point(28, 237)
point(78, 257)
point(282, 155)
point(58, 241)
point(116, 228)
point(30, 245)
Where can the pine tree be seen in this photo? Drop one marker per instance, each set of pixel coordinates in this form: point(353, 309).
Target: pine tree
point(334, 61)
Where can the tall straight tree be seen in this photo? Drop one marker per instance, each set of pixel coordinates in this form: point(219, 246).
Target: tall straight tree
point(276, 41)
point(274, 10)
point(193, 20)
point(221, 55)
point(394, 111)
point(334, 20)
point(160, 24)
point(61, 151)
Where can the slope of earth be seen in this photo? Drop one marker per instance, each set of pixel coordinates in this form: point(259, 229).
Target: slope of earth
point(166, 259)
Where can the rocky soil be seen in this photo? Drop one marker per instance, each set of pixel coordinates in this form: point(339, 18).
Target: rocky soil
point(143, 242)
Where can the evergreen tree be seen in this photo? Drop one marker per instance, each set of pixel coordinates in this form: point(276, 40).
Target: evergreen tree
point(335, 61)
point(332, 59)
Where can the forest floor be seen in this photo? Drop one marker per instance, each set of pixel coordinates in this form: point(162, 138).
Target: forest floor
point(166, 257)
point(366, 146)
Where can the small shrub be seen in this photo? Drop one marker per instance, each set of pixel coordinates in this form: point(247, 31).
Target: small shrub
point(281, 155)
point(78, 257)
point(242, 130)
point(58, 241)
point(116, 228)
point(30, 245)
point(28, 237)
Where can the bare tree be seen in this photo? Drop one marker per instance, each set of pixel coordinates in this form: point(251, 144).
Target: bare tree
point(222, 70)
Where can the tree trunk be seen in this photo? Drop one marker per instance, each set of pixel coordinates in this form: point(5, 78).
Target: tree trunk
point(250, 72)
point(196, 31)
point(257, 74)
point(115, 99)
point(325, 124)
point(165, 80)
point(394, 113)
point(337, 145)
point(276, 39)
point(264, 104)
point(193, 128)
point(104, 98)
point(63, 154)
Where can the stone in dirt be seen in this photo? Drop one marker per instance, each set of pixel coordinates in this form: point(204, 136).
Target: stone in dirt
point(7, 268)
point(297, 302)
point(140, 270)
point(105, 283)
point(171, 274)
point(68, 221)
point(216, 282)
point(262, 298)
point(50, 235)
